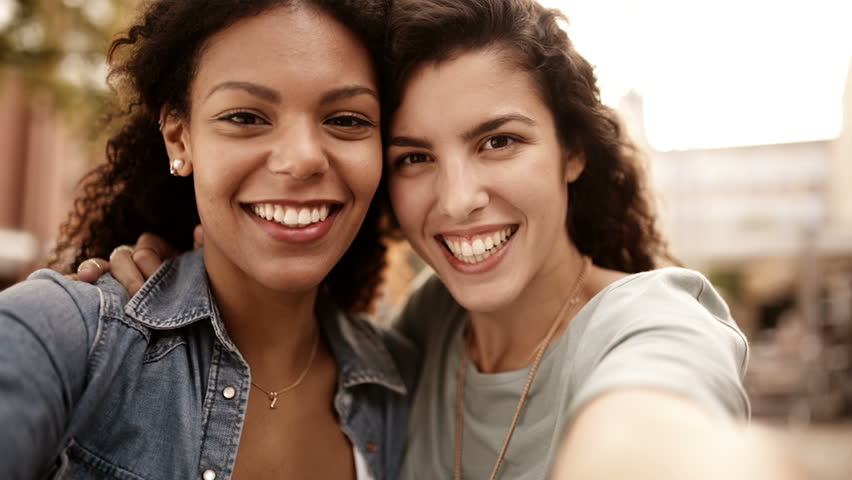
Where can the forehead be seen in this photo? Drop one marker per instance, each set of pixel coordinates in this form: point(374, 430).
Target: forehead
point(297, 43)
point(466, 88)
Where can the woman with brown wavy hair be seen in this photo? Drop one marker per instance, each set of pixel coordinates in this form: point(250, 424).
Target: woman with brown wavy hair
point(260, 120)
point(518, 187)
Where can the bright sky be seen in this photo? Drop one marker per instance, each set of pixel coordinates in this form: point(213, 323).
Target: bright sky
point(721, 72)
point(715, 73)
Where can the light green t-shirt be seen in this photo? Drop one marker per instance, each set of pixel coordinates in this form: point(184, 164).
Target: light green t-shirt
point(664, 329)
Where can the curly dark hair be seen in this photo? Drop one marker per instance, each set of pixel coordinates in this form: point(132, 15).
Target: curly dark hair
point(152, 65)
point(612, 217)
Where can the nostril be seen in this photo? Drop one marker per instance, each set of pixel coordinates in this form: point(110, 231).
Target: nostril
point(301, 169)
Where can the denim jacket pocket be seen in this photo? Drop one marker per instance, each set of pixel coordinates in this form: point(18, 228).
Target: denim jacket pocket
point(78, 463)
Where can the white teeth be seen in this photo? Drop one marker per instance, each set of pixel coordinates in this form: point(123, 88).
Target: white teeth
point(278, 214)
point(290, 216)
point(479, 248)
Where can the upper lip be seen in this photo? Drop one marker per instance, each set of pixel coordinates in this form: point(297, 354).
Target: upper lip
point(295, 203)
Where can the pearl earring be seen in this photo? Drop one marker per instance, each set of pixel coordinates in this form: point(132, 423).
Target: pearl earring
point(175, 166)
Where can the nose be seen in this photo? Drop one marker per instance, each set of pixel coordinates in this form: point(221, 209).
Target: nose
point(461, 193)
point(299, 152)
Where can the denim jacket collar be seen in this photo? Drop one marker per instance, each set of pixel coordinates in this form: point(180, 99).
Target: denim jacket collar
point(361, 353)
point(178, 294)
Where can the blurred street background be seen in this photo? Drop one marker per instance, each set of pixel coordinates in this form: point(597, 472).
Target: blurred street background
point(744, 109)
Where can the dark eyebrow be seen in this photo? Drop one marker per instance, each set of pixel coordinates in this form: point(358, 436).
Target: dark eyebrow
point(259, 91)
point(494, 124)
point(348, 92)
point(410, 142)
point(476, 131)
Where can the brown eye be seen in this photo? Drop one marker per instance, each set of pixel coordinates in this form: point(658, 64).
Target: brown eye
point(498, 141)
point(349, 121)
point(243, 118)
point(411, 159)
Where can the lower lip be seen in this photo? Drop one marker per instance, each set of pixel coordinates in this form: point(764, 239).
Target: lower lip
point(283, 233)
point(484, 266)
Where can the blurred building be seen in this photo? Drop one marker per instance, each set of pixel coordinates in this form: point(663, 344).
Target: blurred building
point(40, 164)
point(772, 226)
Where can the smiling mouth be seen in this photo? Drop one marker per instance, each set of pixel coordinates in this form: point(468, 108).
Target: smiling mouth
point(292, 216)
point(476, 248)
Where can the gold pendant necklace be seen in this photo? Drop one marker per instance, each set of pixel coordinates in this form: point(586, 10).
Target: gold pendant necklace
point(570, 301)
point(273, 395)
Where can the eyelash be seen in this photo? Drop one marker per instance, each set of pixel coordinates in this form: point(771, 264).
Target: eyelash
point(252, 119)
point(231, 117)
point(359, 122)
point(401, 160)
point(510, 140)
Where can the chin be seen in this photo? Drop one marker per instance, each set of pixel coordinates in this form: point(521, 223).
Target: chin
point(482, 297)
point(292, 280)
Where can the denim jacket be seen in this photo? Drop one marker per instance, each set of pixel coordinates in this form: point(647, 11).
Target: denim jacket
point(95, 386)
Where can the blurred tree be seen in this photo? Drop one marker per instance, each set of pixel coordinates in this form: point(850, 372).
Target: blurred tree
point(59, 47)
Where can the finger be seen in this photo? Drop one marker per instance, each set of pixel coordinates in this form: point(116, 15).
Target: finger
point(91, 269)
point(149, 254)
point(147, 260)
point(157, 244)
point(198, 236)
point(124, 269)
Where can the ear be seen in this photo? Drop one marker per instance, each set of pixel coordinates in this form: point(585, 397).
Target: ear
point(176, 137)
point(574, 163)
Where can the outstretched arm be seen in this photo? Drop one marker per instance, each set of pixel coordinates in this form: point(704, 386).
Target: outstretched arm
point(46, 329)
point(647, 434)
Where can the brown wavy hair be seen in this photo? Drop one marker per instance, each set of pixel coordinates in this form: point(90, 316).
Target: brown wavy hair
point(151, 65)
point(612, 217)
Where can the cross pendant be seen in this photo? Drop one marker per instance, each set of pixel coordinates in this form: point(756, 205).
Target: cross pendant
point(273, 399)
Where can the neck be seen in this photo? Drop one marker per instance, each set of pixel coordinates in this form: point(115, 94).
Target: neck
point(274, 331)
point(506, 339)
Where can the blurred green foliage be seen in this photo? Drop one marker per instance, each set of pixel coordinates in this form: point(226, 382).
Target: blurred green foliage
point(59, 47)
point(728, 281)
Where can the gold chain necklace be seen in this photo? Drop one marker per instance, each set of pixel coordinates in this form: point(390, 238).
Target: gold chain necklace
point(273, 396)
point(570, 301)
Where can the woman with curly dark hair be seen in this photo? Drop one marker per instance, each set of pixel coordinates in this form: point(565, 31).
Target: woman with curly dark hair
point(260, 120)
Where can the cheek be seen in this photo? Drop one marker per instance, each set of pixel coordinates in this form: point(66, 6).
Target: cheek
point(363, 169)
point(411, 202)
point(217, 178)
point(404, 202)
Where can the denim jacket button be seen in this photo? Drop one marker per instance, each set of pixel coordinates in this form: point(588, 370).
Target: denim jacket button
point(372, 447)
point(228, 392)
point(208, 475)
